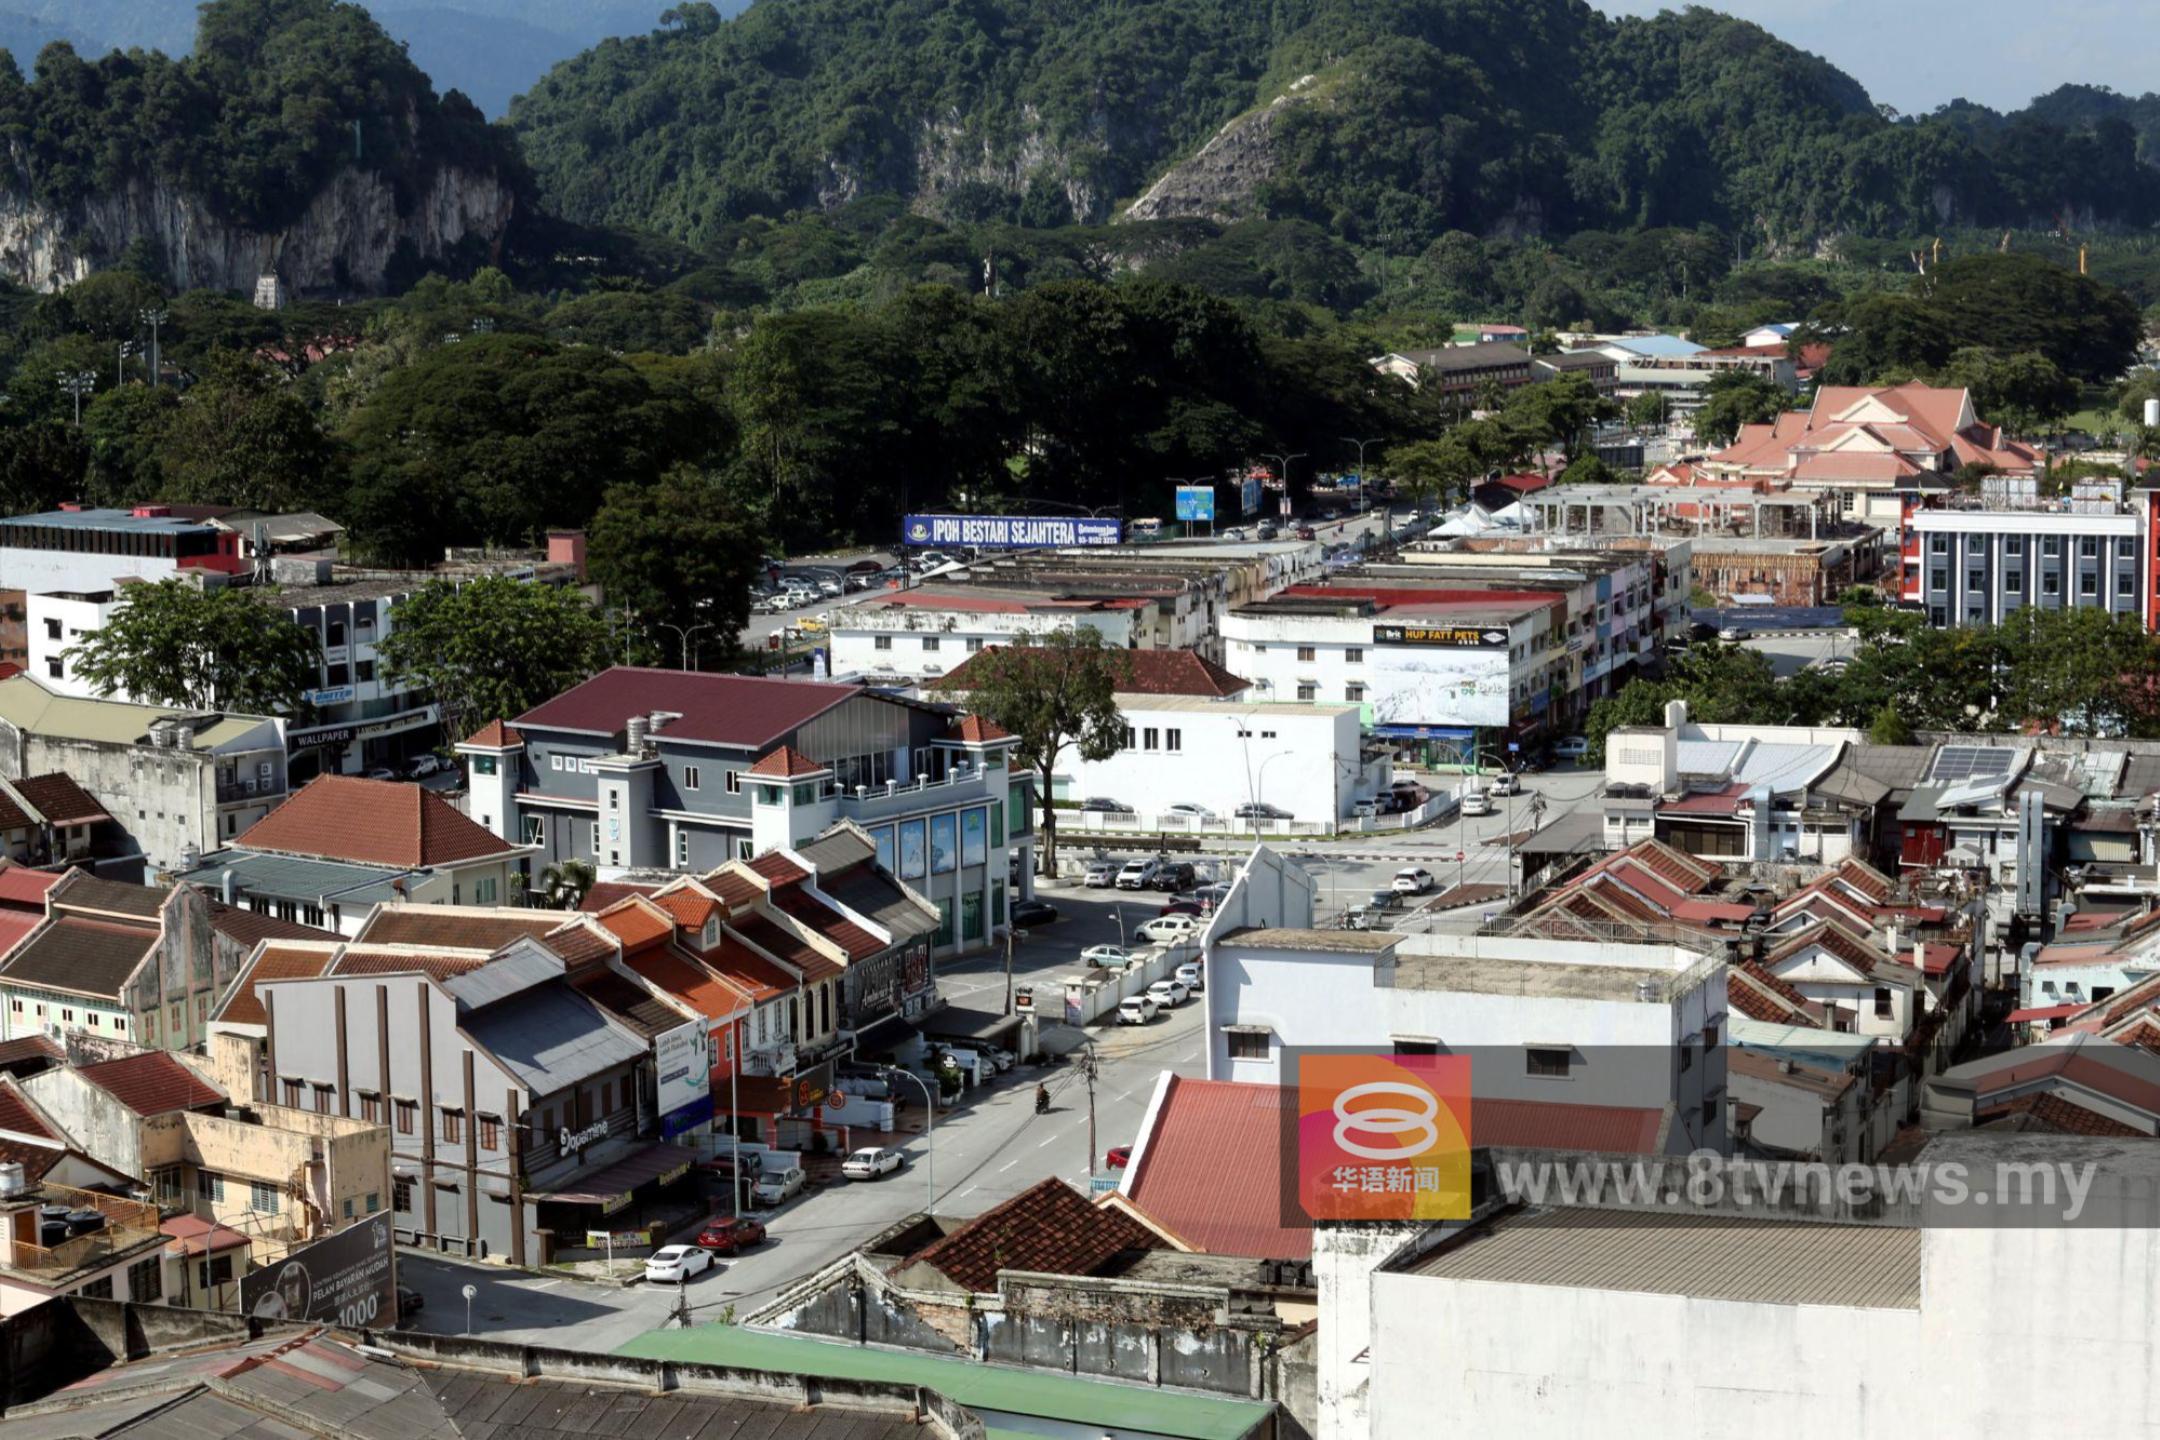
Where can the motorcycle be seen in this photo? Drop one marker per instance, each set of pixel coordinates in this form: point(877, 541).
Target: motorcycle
point(1042, 1100)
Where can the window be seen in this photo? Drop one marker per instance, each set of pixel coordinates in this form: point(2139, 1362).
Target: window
point(536, 829)
point(881, 642)
point(371, 1108)
point(374, 1202)
point(734, 782)
point(1355, 694)
point(1305, 652)
point(1173, 741)
point(325, 1095)
point(1687, 1059)
point(2013, 583)
point(1883, 1008)
point(929, 643)
point(1149, 738)
point(98, 1289)
point(407, 1110)
point(210, 1186)
point(2126, 548)
point(2088, 545)
point(596, 839)
point(146, 1280)
point(2088, 583)
point(292, 1094)
point(1939, 544)
point(1247, 1044)
point(339, 674)
point(1938, 580)
point(483, 893)
point(453, 1126)
point(2051, 545)
point(614, 799)
point(1355, 655)
point(1551, 1064)
point(490, 1132)
point(689, 777)
point(264, 1197)
point(52, 629)
point(1975, 579)
point(363, 670)
point(1307, 690)
point(974, 644)
point(348, 1207)
point(2013, 545)
point(1710, 1036)
point(1711, 1104)
point(401, 1194)
point(217, 1270)
point(2051, 583)
point(55, 669)
point(1417, 1047)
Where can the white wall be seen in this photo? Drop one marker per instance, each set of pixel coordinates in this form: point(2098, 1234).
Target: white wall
point(1295, 758)
point(1402, 684)
point(80, 572)
point(75, 619)
point(925, 641)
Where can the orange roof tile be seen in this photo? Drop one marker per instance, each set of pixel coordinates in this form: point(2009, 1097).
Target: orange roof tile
point(21, 885)
point(1051, 1229)
point(495, 736)
point(1211, 1170)
point(975, 730)
point(152, 1083)
point(371, 822)
point(786, 763)
point(681, 977)
point(637, 922)
point(690, 905)
point(777, 868)
point(746, 970)
point(243, 1006)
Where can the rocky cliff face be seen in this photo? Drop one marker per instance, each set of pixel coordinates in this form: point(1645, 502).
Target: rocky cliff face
point(342, 244)
point(1218, 180)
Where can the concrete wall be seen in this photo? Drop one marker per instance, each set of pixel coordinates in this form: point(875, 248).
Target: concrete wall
point(1222, 760)
point(104, 1129)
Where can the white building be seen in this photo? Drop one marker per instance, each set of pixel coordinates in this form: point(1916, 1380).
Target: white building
point(1608, 1024)
point(81, 551)
point(1784, 1107)
point(1737, 792)
point(1304, 760)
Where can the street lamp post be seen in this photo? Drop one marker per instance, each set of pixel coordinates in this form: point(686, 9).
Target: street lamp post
point(1361, 444)
point(1282, 462)
point(929, 1159)
point(153, 316)
point(684, 633)
point(127, 348)
point(78, 383)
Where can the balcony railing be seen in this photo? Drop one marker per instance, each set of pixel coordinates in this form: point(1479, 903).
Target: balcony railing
point(127, 1224)
point(770, 1060)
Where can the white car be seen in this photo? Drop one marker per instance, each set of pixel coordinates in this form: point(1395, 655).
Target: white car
point(1137, 874)
point(871, 1164)
point(1188, 811)
point(1168, 929)
point(1191, 977)
point(1169, 993)
point(1100, 876)
point(1476, 802)
point(1136, 1010)
point(673, 1264)
point(1572, 747)
point(776, 1186)
point(1505, 783)
point(1107, 957)
point(426, 765)
point(1412, 881)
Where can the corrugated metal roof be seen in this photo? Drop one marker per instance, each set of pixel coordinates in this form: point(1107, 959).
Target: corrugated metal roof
point(27, 705)
point(519, 967)
point(551, 1037)
point(1710, 1257)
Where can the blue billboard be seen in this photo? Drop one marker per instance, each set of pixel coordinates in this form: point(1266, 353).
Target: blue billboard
point(1195, 503)
point(1249, 496)
point(1008, 532)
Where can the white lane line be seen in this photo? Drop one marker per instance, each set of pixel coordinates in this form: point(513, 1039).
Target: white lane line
point(1051, 1141)
point(1007, 1166)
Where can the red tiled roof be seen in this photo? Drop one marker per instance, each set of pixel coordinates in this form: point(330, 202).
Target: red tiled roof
point(747, 970)
point(60, 800)
point(2030, 1013)
point(578, 945)
point(1759, 995)
point(743, 710)
point(243, 1006)
point(24, 1049)
point(786, 763)
point(1865, 878)
point(21, 885)
point(1559, 1125)
point(782, 944)
point(689, 904)
point(495, 736)
point(246, 927)
point(440, 965)
point(2053, 1112)
point(152, 1083)
point(1937, 957)
point(1210, 1171)
point(15, 926)
point(454, 929)
point(1051, 1229)
point(736, 890)
point(975, 730)
point(778, 869)
point(1524, 484)
point(1141, 672)
point(371, 822)
point(637, 922)
point(714, 999)
point(18, 1116)
point(859, 943)
point(1723, 801)
point(605, 893)
point(1841, 942)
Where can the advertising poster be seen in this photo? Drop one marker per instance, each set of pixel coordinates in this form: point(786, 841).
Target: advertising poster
point(944, 854)
point(911, 850)
point(974, 841)
point(887, 859)
point(683, 1071)
point(344, 1279)
point(1009, 532)
point(1196, 504)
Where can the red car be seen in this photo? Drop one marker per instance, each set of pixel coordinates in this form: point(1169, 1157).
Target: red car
point(1182, 907)
point(727, 1235)
point(1117, 1157)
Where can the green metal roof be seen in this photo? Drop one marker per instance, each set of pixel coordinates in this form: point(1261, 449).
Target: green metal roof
point(978, 1386)
point(27, 705)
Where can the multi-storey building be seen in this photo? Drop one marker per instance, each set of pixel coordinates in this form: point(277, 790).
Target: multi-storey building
point(78, 550)
point(639, 769)
point(1973, 558)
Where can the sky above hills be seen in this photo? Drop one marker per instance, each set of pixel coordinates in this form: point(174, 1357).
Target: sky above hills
point(1917, 54)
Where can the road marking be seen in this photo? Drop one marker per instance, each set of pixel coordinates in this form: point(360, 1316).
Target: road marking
point(1051, 1141)
point(1007, 1166)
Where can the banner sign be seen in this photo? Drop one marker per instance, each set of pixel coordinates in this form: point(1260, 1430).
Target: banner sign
point(1196, 503)
point(1009, 532)
point(1249, 495)
point(345, 1279)
point(1450, 637)
point(681, 1066)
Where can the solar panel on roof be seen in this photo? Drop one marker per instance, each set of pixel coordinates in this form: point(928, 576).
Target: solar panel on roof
point(1970, 762)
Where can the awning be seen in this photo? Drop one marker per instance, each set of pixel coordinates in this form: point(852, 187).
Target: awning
point(2041, 1012)
point(193, 1235)
point(883, 1034)
point(1424, 732)
point(610, 1186)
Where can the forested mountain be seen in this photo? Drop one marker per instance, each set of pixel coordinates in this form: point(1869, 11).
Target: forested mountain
point(1387, 121)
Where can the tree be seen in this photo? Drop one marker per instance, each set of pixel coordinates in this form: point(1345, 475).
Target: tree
point(1559, 412)
point(493, 648)
point(241, 437)
point(1054, 692)
point(41, 464)
point(679, 553)
point(1647, 410)
point(2081, 671)
point(2017, 303)
point(1889, 727)
point(2025, 393)
point(174, 644)
point(1734, 398)
point(565, 883)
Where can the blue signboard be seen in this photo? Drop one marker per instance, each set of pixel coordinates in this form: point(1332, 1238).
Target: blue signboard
point(1008, 532)
point(1196, 502)
point(1249, 496)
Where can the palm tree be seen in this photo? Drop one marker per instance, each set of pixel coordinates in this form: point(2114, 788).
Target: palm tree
point(566, 883)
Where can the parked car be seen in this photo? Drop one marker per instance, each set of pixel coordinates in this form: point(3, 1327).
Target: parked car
point(999, 1056)
point(409, 1304)
point(1104, 805)
point(1571, 747)
point(1234, 533)
point(776, 1186)
point(1476, 802)
point(426, 765)
point(1136, 1010)
point(871, 1163)
point(1175, 876)
point(1138, 874)
point(1101, 875)
point(1266, 531)
point(382, 772)
point(1412, 880)
point(1384, 900)
point(673, 1264)
point(1117, 1157)
point(730, 1235)
point(1261, 810)
point(1106, 957)
point(1030, 913)
point(1190, 975)
point(1306, 532)
point(866, 567)
point(1185, 810)
point(1213, 895)
point(1182, 905)
point(1168, 993)
point(1505, 784)
point(1168, 929)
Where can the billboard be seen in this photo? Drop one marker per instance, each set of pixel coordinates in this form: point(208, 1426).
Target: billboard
point(684, 1073)
point(1008, 532)
point(1196, 503)
point(1443, 637)
point(1249, 496)
point(1437, 675)
point(345, 1279)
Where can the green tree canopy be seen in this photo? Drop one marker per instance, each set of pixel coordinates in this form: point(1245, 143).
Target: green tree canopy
point(492, 648)
point(679, 553)
point(173, 643)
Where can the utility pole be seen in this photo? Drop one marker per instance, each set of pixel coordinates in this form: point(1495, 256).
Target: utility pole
point(1008, 969)
point(153, 316)
point(78, 383)
point(127, 348)
point(1087, 1068)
